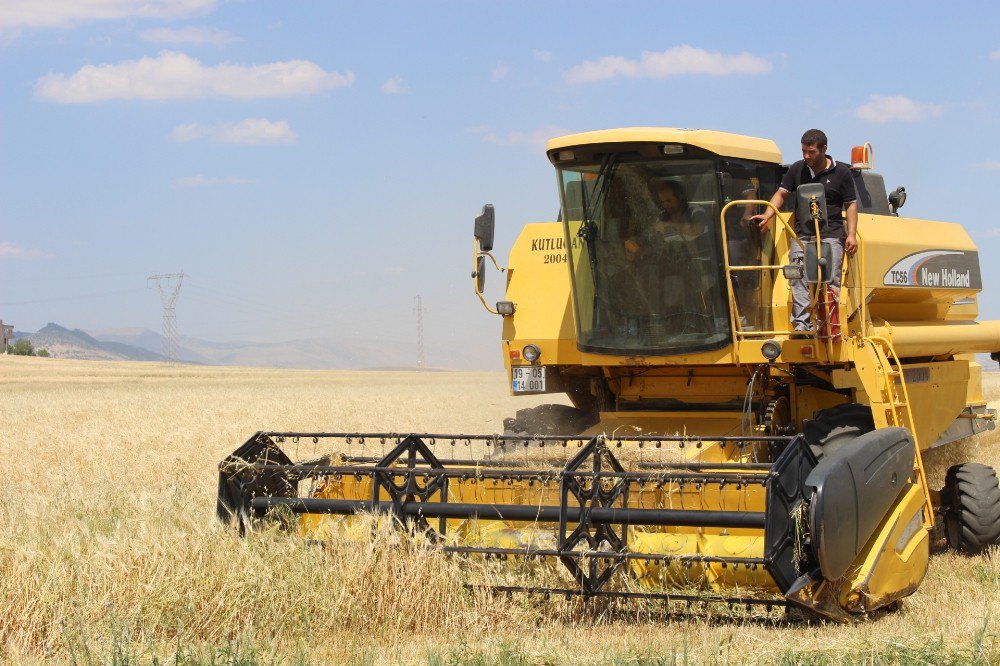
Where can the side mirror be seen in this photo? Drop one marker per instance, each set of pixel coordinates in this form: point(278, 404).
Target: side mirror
point(896, 199)
point(483, 230)
point(480, 274)
point(810, 205)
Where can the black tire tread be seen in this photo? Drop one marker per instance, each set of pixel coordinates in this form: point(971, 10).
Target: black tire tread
point(838, 423)
point(974, 507)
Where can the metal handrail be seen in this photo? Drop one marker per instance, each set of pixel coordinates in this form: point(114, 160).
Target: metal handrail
point(918, 460)
point(736, 332)
point(784, 225)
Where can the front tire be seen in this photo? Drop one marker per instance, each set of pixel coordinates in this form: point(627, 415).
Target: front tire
point(971, 497)
point(831, 428)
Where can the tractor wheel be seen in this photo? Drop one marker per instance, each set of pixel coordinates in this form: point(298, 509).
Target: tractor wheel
point(579, 393)
point(972, 508)
point(831, 428)
point(549, 419)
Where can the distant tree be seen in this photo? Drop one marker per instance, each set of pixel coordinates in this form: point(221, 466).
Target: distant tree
point(22, 347)
point(44, 353)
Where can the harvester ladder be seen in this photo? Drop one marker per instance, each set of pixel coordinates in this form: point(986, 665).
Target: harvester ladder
point(882, 376)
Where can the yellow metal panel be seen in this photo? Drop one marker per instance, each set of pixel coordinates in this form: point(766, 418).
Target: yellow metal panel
point(670, 423)
point(895, 560)
point(721, 143)
point(809, 399)
point(539, 286)
point(694, 385)
point(938, 393)
point(723, 355)
point(974, 392)
point(889, 239)
point(963, 309)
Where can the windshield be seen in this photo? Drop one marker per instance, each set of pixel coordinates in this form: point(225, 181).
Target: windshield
point(645, 255)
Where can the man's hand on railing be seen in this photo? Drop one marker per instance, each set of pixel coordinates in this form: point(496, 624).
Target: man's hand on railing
point(762, 219)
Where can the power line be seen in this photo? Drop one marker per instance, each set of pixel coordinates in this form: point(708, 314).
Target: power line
point(169, 286)
point(79, 297)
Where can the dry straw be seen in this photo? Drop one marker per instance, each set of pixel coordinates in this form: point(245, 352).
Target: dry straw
point(111, 553)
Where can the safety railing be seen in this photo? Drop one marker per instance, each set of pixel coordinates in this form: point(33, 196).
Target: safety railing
point(818, 293)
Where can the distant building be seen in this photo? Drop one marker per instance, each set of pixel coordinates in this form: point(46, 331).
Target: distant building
point(6, 336)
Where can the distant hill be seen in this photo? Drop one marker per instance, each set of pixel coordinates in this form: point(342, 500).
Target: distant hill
point(311, 353)
point(65, 343)
point(143, 338)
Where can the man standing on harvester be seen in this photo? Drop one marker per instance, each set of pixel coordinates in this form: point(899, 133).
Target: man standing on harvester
point(841, 206)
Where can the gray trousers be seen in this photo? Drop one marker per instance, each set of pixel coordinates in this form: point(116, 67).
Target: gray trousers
point(800, 288)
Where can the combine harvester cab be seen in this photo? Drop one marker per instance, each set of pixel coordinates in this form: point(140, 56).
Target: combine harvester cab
point(711, 455)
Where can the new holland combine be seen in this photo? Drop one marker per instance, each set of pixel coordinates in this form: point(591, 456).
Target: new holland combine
point(712, 453)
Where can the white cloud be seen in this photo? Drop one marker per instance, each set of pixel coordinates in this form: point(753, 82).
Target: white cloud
point(394, 86)
point(992, 165)
point(886, 108)
point(542, 56)
point(188, 35)
point(173, 75)
point(10, 250)
point(993, 233)
point(500, 72)
point(203, 181)
point(252, 131)
point(995, 55)
point(534, 138)
point(675, 61)
point(16, 14)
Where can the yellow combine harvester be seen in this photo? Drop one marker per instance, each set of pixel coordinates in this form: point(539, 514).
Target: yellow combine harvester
point(712, 454)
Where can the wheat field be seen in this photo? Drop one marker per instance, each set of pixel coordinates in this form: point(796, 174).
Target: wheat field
point(111, 552)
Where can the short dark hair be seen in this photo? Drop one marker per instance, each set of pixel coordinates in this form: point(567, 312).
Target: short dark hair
point(814, 136)
point(676, 188)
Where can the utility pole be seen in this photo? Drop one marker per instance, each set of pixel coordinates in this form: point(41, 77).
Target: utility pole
point(169, 286)
point(421, 357)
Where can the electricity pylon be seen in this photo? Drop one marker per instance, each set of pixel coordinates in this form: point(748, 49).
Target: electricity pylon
point(169, 286)
point(421, 356)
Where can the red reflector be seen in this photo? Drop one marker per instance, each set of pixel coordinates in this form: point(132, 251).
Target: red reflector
point(514, 353)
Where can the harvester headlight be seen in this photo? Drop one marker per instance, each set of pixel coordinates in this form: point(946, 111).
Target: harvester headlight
point(793, 272)
point(505, 307)
point(673, 149)
point(771, 350)
point(531, 353)
point(897, 198)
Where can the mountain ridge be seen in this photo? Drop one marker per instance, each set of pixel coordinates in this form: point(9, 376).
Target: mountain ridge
point(142, 344)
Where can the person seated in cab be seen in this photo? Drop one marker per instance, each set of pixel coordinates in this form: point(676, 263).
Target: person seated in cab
point(668, 250)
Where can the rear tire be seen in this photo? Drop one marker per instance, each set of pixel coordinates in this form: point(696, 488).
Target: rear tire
point(971, 497)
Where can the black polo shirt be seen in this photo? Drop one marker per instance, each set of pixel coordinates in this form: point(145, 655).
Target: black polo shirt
point(837, 180)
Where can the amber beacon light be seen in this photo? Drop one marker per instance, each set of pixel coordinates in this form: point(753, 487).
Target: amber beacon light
point(862, 157)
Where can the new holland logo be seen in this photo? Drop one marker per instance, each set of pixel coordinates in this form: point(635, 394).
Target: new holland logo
point(940, 269)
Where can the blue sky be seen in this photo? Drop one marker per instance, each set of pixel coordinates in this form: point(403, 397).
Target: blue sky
point(313, 166)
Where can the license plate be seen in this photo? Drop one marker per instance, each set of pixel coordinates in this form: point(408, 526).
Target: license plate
point(528, 379)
